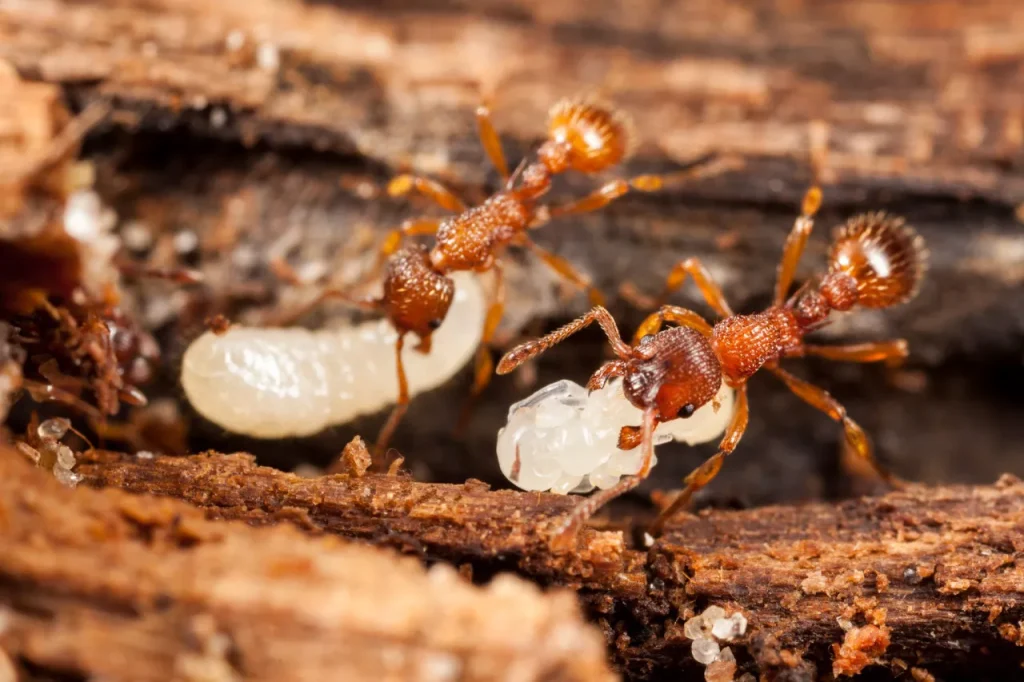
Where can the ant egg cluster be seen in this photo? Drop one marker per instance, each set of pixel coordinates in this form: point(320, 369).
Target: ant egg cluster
point(51, 453)
point(706, 630)
point(565, 439)
point(293, 382)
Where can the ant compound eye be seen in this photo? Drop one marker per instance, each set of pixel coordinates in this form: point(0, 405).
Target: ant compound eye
point(646, 339)
point(435, 323)
point(687, 410)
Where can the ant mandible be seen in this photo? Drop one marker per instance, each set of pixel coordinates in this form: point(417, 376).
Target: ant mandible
point(584, 135)
point(876, 261)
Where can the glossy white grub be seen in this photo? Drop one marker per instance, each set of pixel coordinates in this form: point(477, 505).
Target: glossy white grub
point(291, 382)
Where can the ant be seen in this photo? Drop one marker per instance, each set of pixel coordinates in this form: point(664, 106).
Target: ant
point(876, 261)
point(584, 135)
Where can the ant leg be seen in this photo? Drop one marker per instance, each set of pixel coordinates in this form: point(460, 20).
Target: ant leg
point(709, 289)
point(565, 535)
point(535, 347)
point(489, 138)
point(388, 430)
point(642, 183)
point(566, 270)
point(409, 228)
point(893, 353)
point(797, 239)
point(438, 193)
point(703, 474)
point(669, 313)
point(820, 399)
point(605, 195)
point(484, 365)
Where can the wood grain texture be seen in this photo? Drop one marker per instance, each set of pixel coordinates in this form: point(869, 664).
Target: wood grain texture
point(125, 587)
point(939, 567)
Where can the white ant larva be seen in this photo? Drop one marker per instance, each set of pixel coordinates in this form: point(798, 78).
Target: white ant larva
point(564, 439)
point(293, 382)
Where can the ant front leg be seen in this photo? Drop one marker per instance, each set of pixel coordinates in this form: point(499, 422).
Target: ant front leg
point(709, 289)
point(388, 430)
point(409, 228)
point(565, 269)
point(653, 323)
point(442, 196)
point(704, 474)
point(484, 364)
point(565, 536)
point(820, 399)
point(531, 349)
point(489, 138)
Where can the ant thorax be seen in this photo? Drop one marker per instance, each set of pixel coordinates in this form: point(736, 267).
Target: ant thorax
point(744, 343)
point(467, 241)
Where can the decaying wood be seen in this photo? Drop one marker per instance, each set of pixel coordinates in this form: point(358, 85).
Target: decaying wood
point(937, 569)
point(245, 126)
point(107, 585)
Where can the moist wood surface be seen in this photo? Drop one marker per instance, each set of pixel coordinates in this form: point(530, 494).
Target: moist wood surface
point(122, 587)
point(252, 125)
point(938, 567)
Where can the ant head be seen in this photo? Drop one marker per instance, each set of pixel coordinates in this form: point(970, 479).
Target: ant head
point(883, 256)
point(416, 297)
point(586, 135)
point(676, 370)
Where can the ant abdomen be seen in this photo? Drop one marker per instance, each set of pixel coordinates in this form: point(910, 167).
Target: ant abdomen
point(883, 256)
point(587, 136)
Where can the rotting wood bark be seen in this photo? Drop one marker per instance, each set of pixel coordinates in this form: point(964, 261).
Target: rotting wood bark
point(108, 585)
point(939, 567)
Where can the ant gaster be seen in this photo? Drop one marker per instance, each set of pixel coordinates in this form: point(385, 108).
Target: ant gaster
point(875, 261)
point(585, 136)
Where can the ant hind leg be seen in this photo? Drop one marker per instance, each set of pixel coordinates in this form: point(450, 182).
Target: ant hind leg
point(707, 471)
point(615, 189)
point(820, 399)
point(797, 239)
point(892, 353)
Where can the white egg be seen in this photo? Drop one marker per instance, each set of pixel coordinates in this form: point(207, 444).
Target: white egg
point(566, 440)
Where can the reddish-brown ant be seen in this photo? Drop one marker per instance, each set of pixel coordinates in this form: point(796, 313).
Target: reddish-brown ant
point(876, 261)
point(584, 135)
